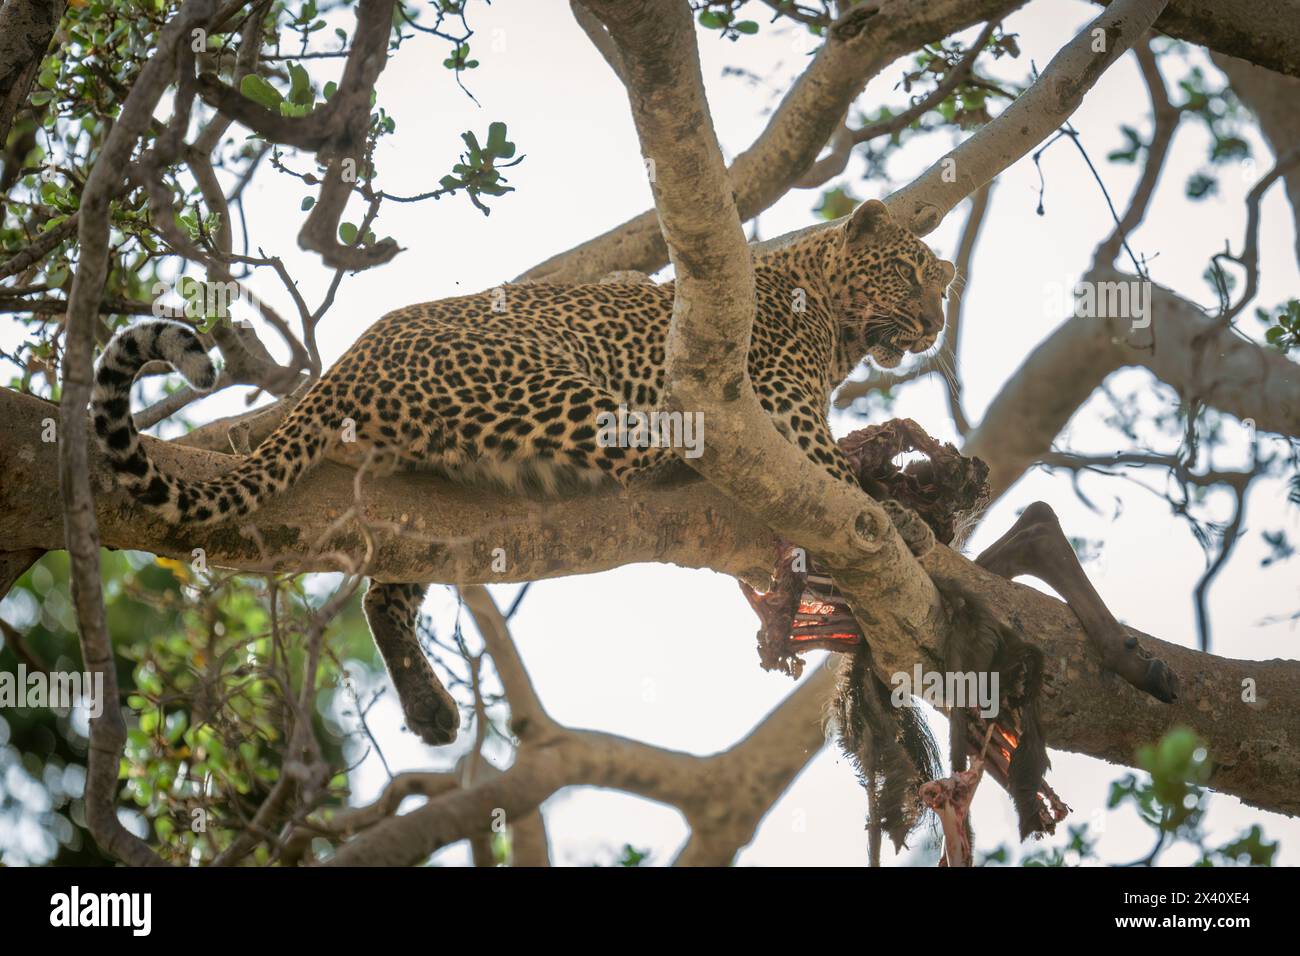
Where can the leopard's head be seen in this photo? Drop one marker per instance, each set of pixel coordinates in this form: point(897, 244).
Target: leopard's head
point(889, 287)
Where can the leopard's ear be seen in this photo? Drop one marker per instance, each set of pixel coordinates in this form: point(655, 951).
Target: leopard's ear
point(868, 220)
point(947, 271)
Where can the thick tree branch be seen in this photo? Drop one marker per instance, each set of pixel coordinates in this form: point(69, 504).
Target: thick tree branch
point(693, 526)
point(26, 28)
point(802, 124)
point(807, 118)
point(1264, 33)
point(708, 342)
point(1253, 744)
point(1184, 347)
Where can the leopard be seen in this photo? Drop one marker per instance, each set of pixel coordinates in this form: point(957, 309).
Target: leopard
point(505, 388)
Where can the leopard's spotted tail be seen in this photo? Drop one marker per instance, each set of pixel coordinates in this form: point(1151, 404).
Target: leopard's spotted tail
point(277, 463)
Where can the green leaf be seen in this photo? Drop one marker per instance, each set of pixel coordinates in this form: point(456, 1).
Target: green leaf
point(747, 26)
point(176, 723)
point(347, 232)
point(1200, 185)
point(300, 85)
point(1228, 148)
point(475, 153)
point(260, 91)
point(308, 202)
point(497, 143)
point(836, 203)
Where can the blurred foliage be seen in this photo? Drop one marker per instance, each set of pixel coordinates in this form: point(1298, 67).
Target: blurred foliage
point(1211, 102)
point(1282, 325)
point(209, 666)
point(1170, 798)
point(206, 666)
point(836, 202)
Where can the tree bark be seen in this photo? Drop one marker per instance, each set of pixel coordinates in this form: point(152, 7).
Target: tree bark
point(1256, 745)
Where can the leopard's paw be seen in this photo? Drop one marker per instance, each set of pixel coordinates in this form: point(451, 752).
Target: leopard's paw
point(911, 526)
point(431, 713)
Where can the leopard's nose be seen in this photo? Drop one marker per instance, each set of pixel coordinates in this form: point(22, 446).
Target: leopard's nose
point(932, 320)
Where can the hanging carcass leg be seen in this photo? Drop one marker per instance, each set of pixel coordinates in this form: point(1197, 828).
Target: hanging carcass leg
point(1035, 545)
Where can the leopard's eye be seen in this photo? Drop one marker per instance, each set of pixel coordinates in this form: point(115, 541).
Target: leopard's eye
point(905, 271)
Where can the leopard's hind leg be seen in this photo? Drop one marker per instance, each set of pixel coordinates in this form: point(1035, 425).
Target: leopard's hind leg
point(393, 611)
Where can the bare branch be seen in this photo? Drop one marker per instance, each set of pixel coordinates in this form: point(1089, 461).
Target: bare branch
point(527, 715)
point(801, 125)
point(1197, 356)
point(1035, 115)
point(1165, 118)
point(693, 526)
point(1272, 98)
point(844, 139)
point(1249, 257)
point(108, 731)
point(1267, 34)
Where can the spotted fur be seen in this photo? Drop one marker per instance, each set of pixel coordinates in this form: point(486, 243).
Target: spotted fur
point(506, 386)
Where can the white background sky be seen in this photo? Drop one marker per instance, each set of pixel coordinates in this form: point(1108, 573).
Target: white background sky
point(666, 655)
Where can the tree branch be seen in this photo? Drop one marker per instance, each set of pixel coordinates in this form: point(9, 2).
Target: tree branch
point(693, 526)
point(1272, 98)
point(1036, 114)
point(708, 342)
point(1266, 34)
point(1197, 356)
point(108, 731)
point(844, 138)
point(802, 124)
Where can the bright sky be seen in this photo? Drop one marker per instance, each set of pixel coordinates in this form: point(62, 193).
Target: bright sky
point(666, 655)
